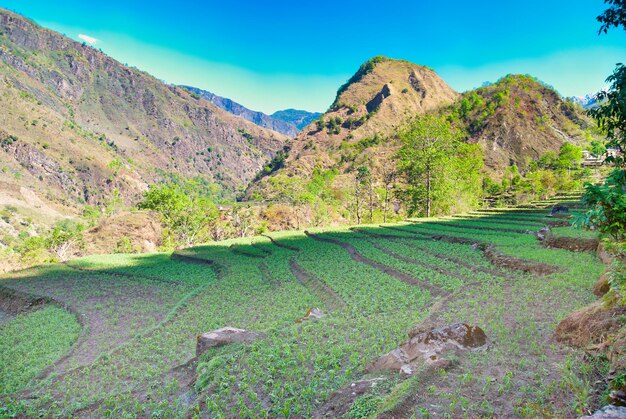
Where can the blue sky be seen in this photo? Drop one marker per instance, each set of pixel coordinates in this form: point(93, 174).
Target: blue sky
point(271, 55)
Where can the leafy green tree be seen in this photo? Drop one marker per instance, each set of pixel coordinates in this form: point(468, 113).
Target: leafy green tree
point(92, 215)
point(569, 156)
point(614, 16)
point(607, 201)
point(597, 148)
point(438, 166)
point(187, 215)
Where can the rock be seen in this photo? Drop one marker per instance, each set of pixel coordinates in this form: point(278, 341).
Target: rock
point(312, 314)
point(618, 397)
point(424, 348)
point(602, 285)
point(541, 234)
point(603, 255)
point(559, 209)
point(374, 104)
point(223, 336)
point(609, 412)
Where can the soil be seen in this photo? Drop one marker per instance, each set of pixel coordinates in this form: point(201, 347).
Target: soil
point(573, 244)
point(191, 259)
point(5, 317)
point(591, 326)
point(493, 272)
point(341, 400)
point(511, 262)
point(355, 255)
point(328, 296)
point(280, 244)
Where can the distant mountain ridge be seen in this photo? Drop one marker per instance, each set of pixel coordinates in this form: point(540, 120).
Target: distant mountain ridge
point(288, 122)
point(588, 101)
point(78, 127)
point(296, 117)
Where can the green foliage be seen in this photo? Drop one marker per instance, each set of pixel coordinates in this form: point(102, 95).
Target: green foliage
point(611, 115)
point(277, 162)
point(569, 156)
point(365, 406)
point(441, 170)
point(92, 215)
point(32, 341)
point(124, 245)
point(8, 140)
point(58, 244)
point(186, 214)
point(614, 16)
point(597, 148)
point(607, 202)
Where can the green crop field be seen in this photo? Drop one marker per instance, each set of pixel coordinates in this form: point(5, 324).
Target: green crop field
point(116, 334)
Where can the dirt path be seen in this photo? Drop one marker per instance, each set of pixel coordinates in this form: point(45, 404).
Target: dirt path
point(328, 296)
point(452, 225)
point(469, 266)
point(4, 317)
point(191, 259)
point(355, 255)
point(234, 249)
point(280, 244)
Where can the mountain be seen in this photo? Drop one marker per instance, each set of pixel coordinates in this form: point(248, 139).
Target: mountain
point(519, 119)
point(588, 101)
point(381, 96)
point(296, 117)
point(515, 120)
point(277, 124)
point(78, 127)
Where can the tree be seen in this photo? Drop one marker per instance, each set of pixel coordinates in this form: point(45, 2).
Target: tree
point(64, 237)
point(186, 214)
point(607, 201)
point(569, 156)
point(362, 181)
point(614, 16)
point(389, 173)
point(438, 166)
point(611, 115)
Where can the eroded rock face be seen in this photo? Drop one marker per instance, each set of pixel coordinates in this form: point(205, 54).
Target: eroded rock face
point(426, 347)
point(559, 209)
point(609, 412)
point(224, 336)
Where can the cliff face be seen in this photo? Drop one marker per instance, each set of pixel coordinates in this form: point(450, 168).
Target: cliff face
point(78, 127)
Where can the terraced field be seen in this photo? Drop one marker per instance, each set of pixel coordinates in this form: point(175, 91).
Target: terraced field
point(115, 335)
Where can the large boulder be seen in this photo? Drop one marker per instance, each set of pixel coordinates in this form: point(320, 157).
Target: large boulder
point(559, 209)
point(609, 412)
point(426, 346)
point(224, 336)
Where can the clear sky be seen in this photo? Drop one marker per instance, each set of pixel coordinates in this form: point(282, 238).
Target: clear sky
point(271, 55)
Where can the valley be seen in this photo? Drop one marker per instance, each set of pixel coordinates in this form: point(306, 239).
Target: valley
point(413, 250)
point(140, 315)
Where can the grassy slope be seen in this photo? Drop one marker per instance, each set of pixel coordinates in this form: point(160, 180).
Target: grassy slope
point(296, 366)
